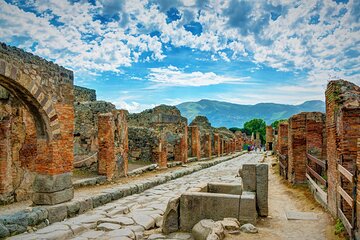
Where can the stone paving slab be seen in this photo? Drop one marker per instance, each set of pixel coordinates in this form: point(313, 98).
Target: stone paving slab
point(38, 217)
point(143, 208)
point(290, 215)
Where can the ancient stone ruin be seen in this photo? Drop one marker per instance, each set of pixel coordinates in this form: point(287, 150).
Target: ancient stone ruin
point(245, 199)
point(323, 151)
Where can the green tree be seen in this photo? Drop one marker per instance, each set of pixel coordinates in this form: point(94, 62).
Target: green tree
point(256, 125)
point(234, 129)
point(275, 124)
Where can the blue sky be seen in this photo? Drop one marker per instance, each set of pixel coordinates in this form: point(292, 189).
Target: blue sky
point(141, 53)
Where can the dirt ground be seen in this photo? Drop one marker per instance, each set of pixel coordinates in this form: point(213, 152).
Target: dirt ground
point(284, 197)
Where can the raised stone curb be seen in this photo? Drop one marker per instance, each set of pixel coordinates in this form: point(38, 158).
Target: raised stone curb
point(89, 181)
point(39, 217)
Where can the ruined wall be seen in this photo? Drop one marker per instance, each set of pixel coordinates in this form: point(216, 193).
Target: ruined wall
point(82, 94)
point(18, 138)
point(343, 131)
point(164, 122)
point(46, 91)
point(283, 138)
point(269, 138)
point(86, 112)
point(316, 134)
point(142, 142)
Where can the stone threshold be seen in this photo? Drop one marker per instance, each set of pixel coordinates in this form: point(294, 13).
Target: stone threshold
point(33, 218)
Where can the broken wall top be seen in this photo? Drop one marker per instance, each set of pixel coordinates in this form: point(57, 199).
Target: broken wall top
point(83, 94)
point(345, 94)
point(54, 80)
point(162, 114)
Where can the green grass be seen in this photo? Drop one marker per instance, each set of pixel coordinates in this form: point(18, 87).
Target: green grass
point(339, 227)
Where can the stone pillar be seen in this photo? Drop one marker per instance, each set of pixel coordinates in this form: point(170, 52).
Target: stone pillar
point(162, 153)
point(181, 148)
point(208, 146)
point(106, 155)
point(257, 140)
point(195, 142)
point(283, 138)
point(222, 146)
point(297, 149)
point(217, 145)
point(5, 160)
point(55, 158)
point(113, 144)
point(269, 138)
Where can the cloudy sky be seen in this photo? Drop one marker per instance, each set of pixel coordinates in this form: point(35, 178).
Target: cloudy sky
point(140, 53)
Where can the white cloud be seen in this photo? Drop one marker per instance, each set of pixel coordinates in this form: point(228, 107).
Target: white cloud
point(290, 43)
point(172, 76)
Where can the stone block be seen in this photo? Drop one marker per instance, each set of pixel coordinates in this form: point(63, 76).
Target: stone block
point(4, 232)
point(195, 206)
point(85, 205)
point(52, 183)
point(72, 208)
point(54, 197)
point(171, 216)
point(57, 213)
point(262, 189)
point(247, 213)
point(226, 188)
point(248, 175)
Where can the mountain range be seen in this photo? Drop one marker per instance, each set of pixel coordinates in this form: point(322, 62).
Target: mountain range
point(225, 114)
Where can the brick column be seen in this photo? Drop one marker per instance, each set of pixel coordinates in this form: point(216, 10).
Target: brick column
point(106, 156)
point(208, 146)
point(162, 153)
point(283, 138)
point(217, 145)
point(181, 147)
point(195, 142)
point(5, 159)
point(113, 144)
point(55, 158)
point(297, 149)
point(269, 138)
point(222, 146)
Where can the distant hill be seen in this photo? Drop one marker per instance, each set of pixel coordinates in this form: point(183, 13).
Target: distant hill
point(235, 115)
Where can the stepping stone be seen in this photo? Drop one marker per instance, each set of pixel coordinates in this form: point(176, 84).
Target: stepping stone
point(92, 234)
point(156, 236)
point(108, 227)
point(180, 236)
point(124, 232)
point(290, 215)
point(117, 220)
point(143, 220)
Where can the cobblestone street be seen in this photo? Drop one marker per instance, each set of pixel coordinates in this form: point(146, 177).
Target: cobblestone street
point(130, 217)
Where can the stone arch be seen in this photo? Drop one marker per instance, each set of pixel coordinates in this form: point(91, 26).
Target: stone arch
point(46, 91)
point(33, 99)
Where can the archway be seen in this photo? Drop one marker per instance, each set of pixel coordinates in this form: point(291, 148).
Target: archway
point(46, 91)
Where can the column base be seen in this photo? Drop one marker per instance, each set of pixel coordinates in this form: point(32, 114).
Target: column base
point(52, 189)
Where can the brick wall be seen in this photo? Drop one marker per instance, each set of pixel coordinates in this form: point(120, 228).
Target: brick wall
point(283, 138)
point(297, 148)
point(343, 130)
point(269, 138)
